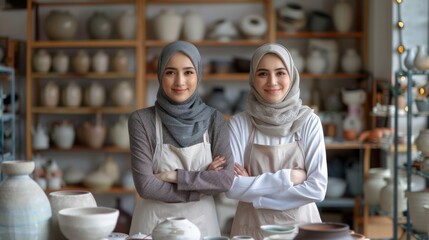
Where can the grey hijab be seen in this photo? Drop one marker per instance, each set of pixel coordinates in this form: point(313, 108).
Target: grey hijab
point(286, 116)
point(186, 121)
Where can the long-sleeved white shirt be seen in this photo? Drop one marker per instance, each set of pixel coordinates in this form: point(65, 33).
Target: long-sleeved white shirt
point(275, 190)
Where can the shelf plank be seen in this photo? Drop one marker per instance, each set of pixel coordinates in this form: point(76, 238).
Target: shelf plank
point(113, 190)
point(213, 43)
point(202, 1)
point(339, 75)
point(92, 75)
point(81, 110)
point(80, 149)
point(82, 2)
point(220, 77)
point(319, 35)
point(351, 145)
point(85, 44)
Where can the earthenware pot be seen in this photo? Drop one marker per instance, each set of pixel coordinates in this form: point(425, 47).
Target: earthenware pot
point(60, 25)
point(176, 228)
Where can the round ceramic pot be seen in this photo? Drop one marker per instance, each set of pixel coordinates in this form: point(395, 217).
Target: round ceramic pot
point(50, 94)
point(316, 63)
point(374, 184)
point(24, 206)
point(176, 228)
point(60, 25)
point(297, 59)
point(194, 26)
point(253, 26)
point(42, 61)
point(324, 231)
point(126, 24)
point(120, 61)
point(72, 95)
point(60, 62)
point(351, 62)
point(387, 196)
point(122, 94)
point(94, 95)
point(100, 62)
point(63, 134)
point(99, 26)
point(218, 100)
point(81, 61)
point(168, 25)
point(92, 134)
point(118, 133)
point(40, 138)
point(67, 199)
point(421, 61)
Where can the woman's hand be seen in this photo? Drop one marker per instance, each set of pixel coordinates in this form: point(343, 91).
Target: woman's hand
point(298, 176)
point(240, 171)
point(217, 164)
point(169, 176)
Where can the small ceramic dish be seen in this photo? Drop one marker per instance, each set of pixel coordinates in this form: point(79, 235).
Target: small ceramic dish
point(268, 230)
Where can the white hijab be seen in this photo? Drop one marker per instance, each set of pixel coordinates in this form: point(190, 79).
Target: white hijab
point(282, 118)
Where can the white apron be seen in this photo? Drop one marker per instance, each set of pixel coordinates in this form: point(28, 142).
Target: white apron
point(148, 213)
point(271, 158)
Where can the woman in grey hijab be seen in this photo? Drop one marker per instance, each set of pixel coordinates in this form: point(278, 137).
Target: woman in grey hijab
point(278, 148)
point(180, 152)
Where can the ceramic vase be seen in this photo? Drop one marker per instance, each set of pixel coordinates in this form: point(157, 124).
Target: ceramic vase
point(60, 62)
point(330, 51)
point(94, 95)
point(298, 60)
point(50, 96)
point(253, 26)
point(223, 30)
point(324, 231)
point(92, 134)
point(194, 26)
point(387, 196)
point(416, 201)
point(218, 100)
point(342, 14)
point(81, 62)
point(168, 25)
point(291, 17)
point(42, 61)
point(71, 95)
point(120, 61)
point(63, 134)
point(374, 184)
point(24, 206)
point(421, 61)
point(67, 199)
point(126, 25)
point(176, 228)
point(410, 55)
point(315, 62)
point(100, 62)
point(60, 25)
point(118, 133)
point(351, 62)
point(99, 26)
point(122, 94)
point(422, 142)
point(40, 138)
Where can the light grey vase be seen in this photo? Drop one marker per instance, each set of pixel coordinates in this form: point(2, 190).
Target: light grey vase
point(99, 26)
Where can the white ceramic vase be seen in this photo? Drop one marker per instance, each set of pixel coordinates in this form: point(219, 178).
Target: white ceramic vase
point(63, 134)
point(374, 184)
point(40, 138)
point(168, 25)
point(351, 62)
point(120, 61)
point(126, 25)
point(298, 60)
point(50, 96)
point(253, 26)
point(421, 61)
point(94, 95)
point(24, 206)
point(175, 228)
point(410, 55)
point(194, 26)
point(422, 142)
point(118, 133)
point(122, 94)
point(60, 62)
point(329, 49)
point(71, 95)
point(343, 15)
point(387, 197)
point(81, 62)
point(315, 62)
point(67, 199)
point(42, 61)
point(100, 62)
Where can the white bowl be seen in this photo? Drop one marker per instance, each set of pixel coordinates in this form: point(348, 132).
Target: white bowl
point(336, 187)
point(87, 223)
point(269, 230)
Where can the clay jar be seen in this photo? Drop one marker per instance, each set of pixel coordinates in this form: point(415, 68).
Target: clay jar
point(253, 26)
point(120, 61)
point(194, 26)
point(168, 25)
point(94, 95)
point(60, 25)
point(126, 24)
point(72, 95)
point(63, 134)
point(99, 26)
point(60, 62)
point(118, 133)
point(81, 61)
point(92, 134)
point(42, 61)
point(324, 231)
point(122, 94)
point(176, 228)
point(100, 62)
point(50, 95)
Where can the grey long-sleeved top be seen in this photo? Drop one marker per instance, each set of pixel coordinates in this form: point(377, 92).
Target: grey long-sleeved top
point(190, 184)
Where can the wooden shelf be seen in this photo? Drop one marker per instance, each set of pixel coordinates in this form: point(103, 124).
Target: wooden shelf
point(201, 1)
point(213, 43)
point(81, 2)
point(81, 110)
point(319, 35)
point(80, 149)
point(113, 190)
point(351, 145)
point(92, 75)
point(117, 43)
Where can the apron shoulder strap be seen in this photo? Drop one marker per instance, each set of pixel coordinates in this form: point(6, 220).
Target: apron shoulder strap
point(158, 128)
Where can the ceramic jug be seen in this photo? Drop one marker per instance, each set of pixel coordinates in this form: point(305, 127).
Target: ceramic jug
point(24, 206)
point(42, 61)
point(94, 95)
point(374, 184)
point(168, 25)
point(50, 94)
point(40, 138)
point(120, 61)
point(126, 24)
point(315, 62)
point(72, 95)
point(421, 61)
point(118, 133)
point(122, 94)
point(100, 62)
point(92, 134)
point(60, 62)
point(176, 228)
point(99, 26)
point(81, 61)
point(60, 25)
point(387, 196)
point(63, 134)
point(194, 26)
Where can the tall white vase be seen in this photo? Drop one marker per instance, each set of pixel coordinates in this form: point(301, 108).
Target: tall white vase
point(374, 184)
point(126, 24)
point(410, 55)
point(168, 25)
point(24, 207)
point(194, 26)
point(343, 15)
point(67, 199)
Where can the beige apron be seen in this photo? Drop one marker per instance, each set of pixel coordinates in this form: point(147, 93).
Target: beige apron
point(148, 213)
point(271, 158)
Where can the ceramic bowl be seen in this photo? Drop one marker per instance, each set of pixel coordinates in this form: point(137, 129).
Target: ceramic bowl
point(269, 230)
point(336, 187)
point(87, 223)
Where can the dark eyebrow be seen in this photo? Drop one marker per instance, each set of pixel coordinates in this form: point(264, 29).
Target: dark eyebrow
point(172, 68)
point(277, 69)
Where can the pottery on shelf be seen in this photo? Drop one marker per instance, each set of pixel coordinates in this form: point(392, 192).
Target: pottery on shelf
point(253, 26)
point(176, 228)
point(104, 177)
point(24, 206)
point(218, 100)
point(351, 62)
point(63, 134)
point(50, 96)
point(60, 25)
point(122, 94)
point(387, 197)
point(120, 61)
point(421, 61)
point(329, 49)
point(126, 24)
point(60, 62)
point(92, 134)
point(99, 26)
point(118, 133)
point(342, 14)
point(42, 61)
point(410, 55)
point(223, 30)
point(291, 17)
point(416, 202)
point(297, 59)
point(319, 21)
point(100, 62)
point(315, 62)
point(194, 26)
point(374, 184)
point(71, 95)
point(81, 61)
point(40, 138)
point(168, 25)
point(94, 95)
point(422, 142)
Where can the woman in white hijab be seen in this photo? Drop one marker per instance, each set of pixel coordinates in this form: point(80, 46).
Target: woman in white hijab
point(278, 148)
